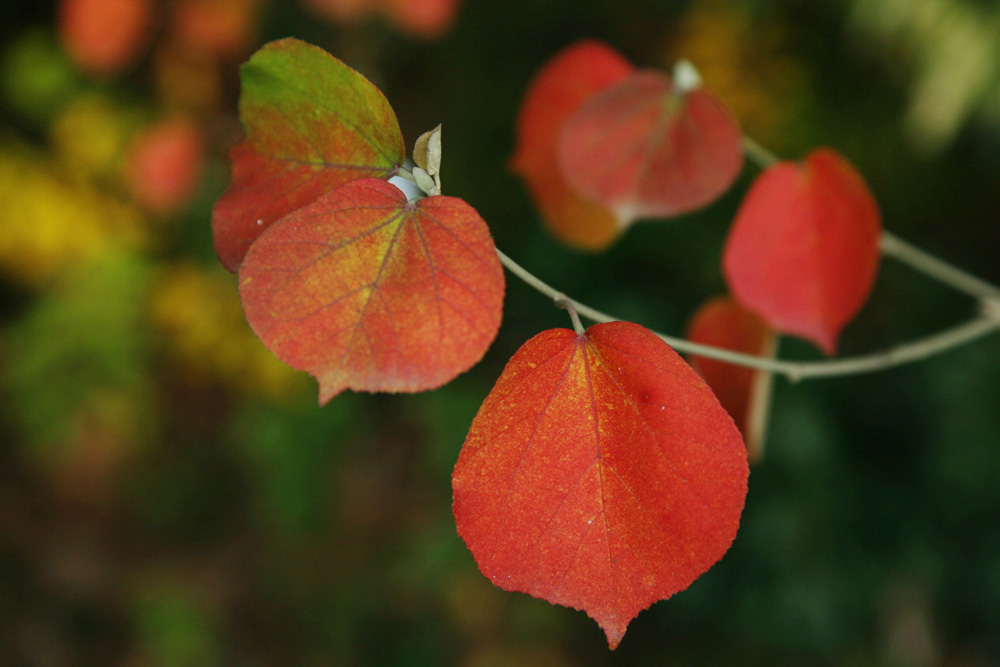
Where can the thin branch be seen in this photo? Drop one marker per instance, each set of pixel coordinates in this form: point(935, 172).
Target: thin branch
point(757, 154)
point(892, 246)
point(905, 353)
point(943, 272)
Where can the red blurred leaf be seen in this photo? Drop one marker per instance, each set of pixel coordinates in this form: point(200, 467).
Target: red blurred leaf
point(724, 323)
point(163, 164)
point(646, 148)
point(600, 473)
point(221, 28)
point(104, 36)
point(366, 291)
point(312, 123)
point(421, 18)
point(804, 248)
point(557, 91)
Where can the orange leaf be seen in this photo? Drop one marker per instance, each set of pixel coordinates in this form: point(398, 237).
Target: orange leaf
point(803, 251)
point(724, 323)
point(601, 473)
point(648, 148)
point(557, 91)
point(104, 36)
point(366, 291)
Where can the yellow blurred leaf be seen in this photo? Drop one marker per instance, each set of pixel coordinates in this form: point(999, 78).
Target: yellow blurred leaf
point(197, 312)
point(53, 223)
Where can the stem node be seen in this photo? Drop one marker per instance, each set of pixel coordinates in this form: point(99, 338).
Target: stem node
point(990, 309)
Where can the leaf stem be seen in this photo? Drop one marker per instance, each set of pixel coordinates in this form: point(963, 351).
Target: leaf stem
point(977, 327)
point(757, 154)
point(986, 323)
point(943, 272)
point(568, 306)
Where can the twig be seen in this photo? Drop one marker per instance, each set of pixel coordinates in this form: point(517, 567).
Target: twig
point(794, 370)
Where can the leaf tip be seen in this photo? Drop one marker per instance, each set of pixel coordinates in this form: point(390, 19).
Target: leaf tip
point(328, 389)
point(827, 341)
point(614, 633)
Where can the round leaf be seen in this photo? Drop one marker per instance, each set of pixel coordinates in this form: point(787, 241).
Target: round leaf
point(803, 251)
point(601, 473)
point(558, 90)
point(369, 292)
point(646, 148)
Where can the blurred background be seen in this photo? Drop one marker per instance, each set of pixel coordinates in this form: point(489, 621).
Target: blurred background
point(170, 494)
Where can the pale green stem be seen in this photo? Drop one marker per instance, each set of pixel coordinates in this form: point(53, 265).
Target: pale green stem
point(986, 323)
point(905, 353)
point(943, 272)
point(757, 154)
point(567, 305)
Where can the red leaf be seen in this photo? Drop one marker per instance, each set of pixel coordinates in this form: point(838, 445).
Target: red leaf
point(366, 291)
point(556, 92)
point(104, 36)
point(803, 251)
point(163, 164)
point(600, 473)
point(421, 18)
point(312, 123)
point(724, 323)
point(220, 28)
point(646, 148)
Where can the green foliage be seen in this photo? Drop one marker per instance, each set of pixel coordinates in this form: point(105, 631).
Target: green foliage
point(77, 359)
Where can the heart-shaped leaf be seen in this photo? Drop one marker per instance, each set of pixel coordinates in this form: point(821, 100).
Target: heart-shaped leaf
point(600, 473)
point(557, 91)
point(369, 292)
point(646, 147)
point(744, 392)
point(803, 251)
point(312, 124)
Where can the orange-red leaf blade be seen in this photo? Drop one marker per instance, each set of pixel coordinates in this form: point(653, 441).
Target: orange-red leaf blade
point(557, 91)
point(645, 148)
point(312, 123)
point(366, 291)
point(601, 473)
point(803, 251)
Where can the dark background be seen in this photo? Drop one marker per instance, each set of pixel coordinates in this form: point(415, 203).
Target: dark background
point(171, 495)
